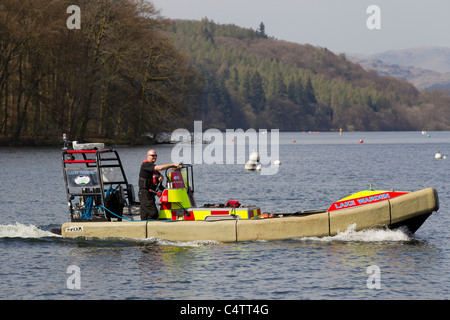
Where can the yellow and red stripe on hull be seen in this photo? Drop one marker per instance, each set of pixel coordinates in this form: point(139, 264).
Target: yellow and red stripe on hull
point(364, 197)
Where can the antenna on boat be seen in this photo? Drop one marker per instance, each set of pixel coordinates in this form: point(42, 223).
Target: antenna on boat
point(66, 144)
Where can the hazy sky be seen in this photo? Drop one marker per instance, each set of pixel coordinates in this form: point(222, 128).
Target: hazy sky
point(339, 25)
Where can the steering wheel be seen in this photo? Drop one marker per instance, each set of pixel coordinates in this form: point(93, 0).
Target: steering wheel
point(166, 173)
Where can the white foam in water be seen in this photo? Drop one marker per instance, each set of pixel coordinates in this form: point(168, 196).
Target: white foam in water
point(369, 235)
point(19, 230)
point(198, 243)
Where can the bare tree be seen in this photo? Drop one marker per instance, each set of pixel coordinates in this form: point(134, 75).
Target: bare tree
point(116, 76)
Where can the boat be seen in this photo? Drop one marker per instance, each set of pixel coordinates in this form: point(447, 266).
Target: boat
point(101, 204)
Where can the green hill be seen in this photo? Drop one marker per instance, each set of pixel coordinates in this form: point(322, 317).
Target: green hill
point(251, 80)
point(128, 72)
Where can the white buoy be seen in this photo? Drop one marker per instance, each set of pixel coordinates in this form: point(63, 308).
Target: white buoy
point(254, 156)
point(250, 165)
point(439, 156)
point(277, 162)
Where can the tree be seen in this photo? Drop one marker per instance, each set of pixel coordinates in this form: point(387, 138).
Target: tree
point(261, 31)
point(256, 93)
point(296, 93)
point(277, 87)
point(309, 94)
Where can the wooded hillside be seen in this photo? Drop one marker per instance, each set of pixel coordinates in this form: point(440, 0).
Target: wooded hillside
point(117, 77)
point(252, 80)
point(127, 72)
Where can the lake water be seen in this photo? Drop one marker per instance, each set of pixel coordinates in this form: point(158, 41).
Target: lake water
point(316, 170)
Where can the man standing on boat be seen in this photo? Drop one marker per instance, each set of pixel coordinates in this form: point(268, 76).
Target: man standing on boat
point(147, 184)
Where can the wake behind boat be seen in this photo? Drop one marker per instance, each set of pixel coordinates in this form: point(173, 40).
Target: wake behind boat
point(102, 203)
